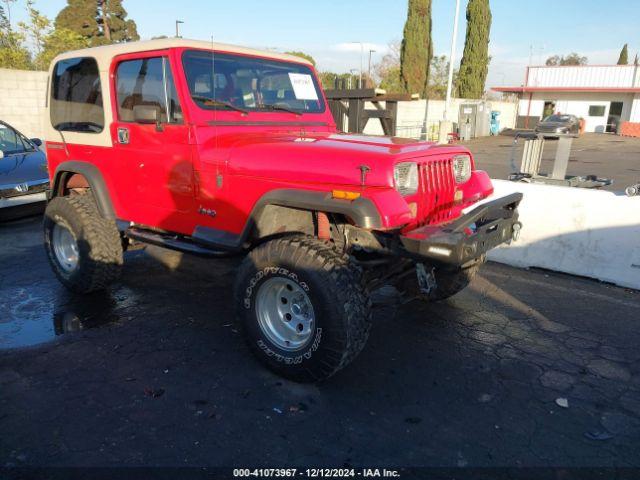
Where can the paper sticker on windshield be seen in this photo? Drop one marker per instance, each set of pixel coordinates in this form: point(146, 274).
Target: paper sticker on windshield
point(303, 86)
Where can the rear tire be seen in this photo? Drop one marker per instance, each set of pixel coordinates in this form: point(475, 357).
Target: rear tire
point(304, 283)
point(84, 249)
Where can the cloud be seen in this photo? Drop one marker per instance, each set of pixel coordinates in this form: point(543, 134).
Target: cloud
point(509, 70)
point(354, 47)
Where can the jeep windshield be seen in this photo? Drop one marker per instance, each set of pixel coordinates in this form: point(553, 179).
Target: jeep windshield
point(221, 81)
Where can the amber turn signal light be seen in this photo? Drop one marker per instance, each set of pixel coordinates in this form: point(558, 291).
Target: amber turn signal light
point(345, 195)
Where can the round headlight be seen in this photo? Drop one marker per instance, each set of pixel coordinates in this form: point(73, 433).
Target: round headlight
point(462, 168)
point(405, 176)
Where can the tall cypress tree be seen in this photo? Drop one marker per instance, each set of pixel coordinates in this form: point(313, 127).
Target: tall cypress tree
point(417, 49)
point(475, 59)
point(624, 56)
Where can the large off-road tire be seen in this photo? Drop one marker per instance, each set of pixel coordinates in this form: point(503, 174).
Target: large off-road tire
point(84, 249)
point(448, 283)
point(303, 307)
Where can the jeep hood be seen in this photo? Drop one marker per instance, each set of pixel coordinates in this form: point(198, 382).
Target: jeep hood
point(331, 158)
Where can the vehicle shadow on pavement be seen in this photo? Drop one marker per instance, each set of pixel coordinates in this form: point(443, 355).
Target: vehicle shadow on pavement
point(472, 381)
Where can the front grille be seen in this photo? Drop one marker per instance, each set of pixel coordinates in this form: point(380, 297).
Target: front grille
point(438, 190)
point(20, 189)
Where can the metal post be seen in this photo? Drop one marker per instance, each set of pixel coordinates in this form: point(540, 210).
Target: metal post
point(451, 60)
point(178, 22)
point(370, 52)
point(361, 63)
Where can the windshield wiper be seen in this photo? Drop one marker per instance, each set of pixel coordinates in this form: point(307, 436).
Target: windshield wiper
point(269, 106)
point(213, 101)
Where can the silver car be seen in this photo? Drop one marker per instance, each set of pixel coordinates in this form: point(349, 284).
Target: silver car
point(559, 124)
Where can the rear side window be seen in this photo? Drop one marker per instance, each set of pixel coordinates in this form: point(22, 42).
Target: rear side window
point(76, 96)
point(11, 142)
point(147, 82)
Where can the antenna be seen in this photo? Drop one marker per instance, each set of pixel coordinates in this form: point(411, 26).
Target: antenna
point(213, 74)
point(215, 111)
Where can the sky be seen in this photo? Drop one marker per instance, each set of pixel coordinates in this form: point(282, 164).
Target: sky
point(328, 29)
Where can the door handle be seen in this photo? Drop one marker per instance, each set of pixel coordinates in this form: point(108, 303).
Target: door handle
point(123, 135)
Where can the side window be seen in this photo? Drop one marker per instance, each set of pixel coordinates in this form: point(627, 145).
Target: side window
point(148, 82)
point(10, 141)
point(76, 96)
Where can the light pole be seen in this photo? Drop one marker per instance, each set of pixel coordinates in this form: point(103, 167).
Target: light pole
point(361, 60)
point(178, 22)
point(370, 52)
point(451, 60)
point(353, 72)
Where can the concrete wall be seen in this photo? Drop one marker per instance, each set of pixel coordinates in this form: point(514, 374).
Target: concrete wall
point(22, 100)
point(411, 116)
point(583, 232)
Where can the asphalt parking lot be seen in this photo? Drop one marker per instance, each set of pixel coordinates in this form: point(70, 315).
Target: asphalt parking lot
point(603, 155)
point(524, 368)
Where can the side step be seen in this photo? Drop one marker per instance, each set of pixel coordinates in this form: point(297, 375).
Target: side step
point(174, 242)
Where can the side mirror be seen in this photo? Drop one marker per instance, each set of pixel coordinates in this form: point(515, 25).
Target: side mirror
point(37, 142)
point(148, 114)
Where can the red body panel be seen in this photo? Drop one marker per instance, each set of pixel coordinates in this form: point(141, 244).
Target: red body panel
point(226, 161)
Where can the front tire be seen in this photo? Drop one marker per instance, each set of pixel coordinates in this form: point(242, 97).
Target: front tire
point(84, 249)
point(448, 283)
point(303, 307)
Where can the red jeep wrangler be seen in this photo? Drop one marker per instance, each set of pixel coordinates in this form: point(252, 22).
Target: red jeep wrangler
point(215, 150)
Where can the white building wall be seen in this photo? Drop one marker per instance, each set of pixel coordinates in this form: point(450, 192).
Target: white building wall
point(22, 100)
point(578, 103)
point(612, 76)
point(532, 108)
point(634, 114)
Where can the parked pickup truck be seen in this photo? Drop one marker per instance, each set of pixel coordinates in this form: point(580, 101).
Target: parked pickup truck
point(216, 150)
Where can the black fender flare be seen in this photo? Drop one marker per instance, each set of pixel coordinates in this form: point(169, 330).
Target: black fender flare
point(362, 211)
point(94, 178)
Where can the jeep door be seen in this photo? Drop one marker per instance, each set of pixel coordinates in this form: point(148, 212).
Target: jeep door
point(152, 139)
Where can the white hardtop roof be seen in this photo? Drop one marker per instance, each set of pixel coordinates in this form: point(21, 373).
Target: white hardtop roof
point(105, 53)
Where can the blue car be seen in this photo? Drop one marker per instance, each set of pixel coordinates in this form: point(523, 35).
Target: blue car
point(24, 179)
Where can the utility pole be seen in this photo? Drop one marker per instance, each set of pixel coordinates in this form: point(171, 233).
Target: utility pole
point(452, 60)
point(370, 52)
point(353, 73)
point(178, 22)
point(445, 124)
point(361, 60)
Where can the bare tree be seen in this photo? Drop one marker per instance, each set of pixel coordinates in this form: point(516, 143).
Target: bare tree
point(8, 8)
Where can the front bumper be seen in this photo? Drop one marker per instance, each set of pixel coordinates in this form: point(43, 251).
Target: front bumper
point(469, 237)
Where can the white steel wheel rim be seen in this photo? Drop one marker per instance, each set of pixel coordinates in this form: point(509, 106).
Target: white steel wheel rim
point(285, 313)
point(65, 248)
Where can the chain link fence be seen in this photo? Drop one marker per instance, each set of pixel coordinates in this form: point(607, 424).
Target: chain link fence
point(417, 130)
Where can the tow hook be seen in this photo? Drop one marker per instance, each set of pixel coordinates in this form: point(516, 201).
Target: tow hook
point(516, 231)
point(426, 280)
